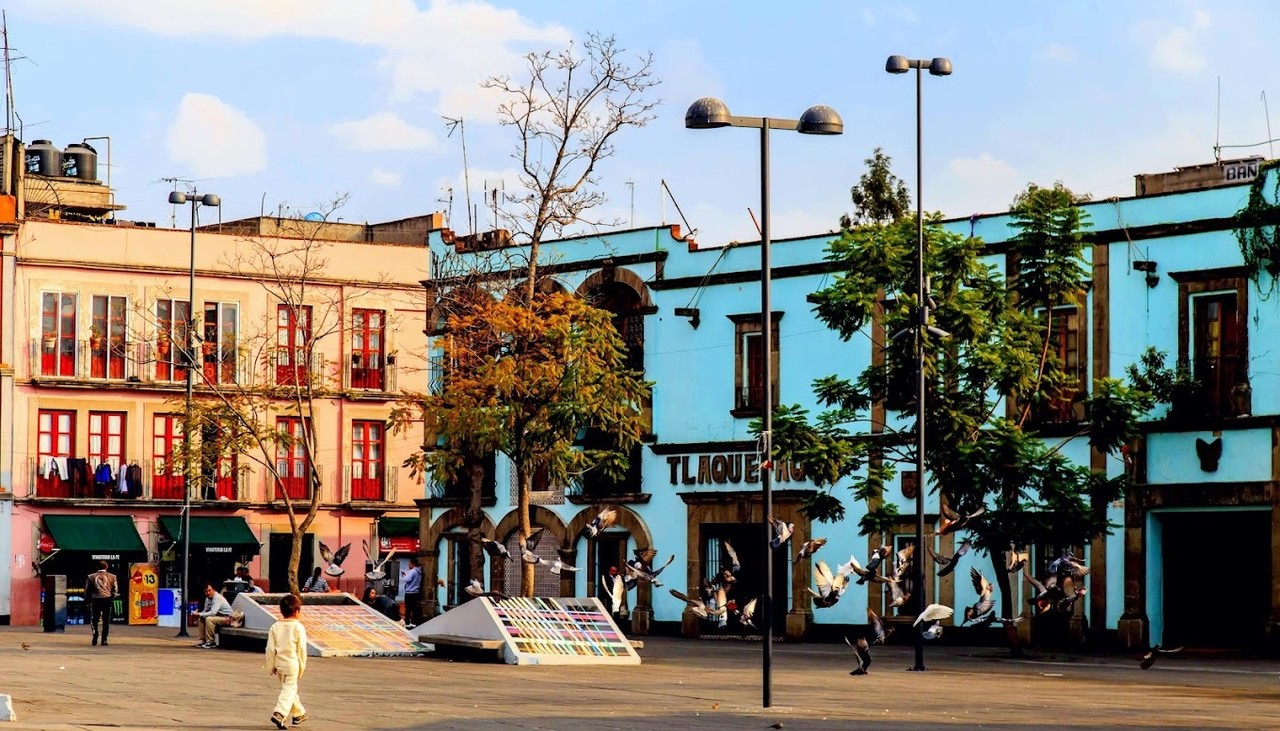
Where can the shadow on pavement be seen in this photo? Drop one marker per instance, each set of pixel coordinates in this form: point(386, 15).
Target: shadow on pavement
point(713, 720)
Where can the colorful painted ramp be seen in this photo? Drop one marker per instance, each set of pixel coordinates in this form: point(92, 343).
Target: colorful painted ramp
point(338, 625)
point(537, 631)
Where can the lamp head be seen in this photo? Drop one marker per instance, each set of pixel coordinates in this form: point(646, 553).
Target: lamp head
point(706, 113)
point(897, 65)
point(940, 67)
point(820, 119)
point(209, 199)
point(177, 198)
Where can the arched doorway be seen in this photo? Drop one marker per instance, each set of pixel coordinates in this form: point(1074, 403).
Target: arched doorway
point(505, 575)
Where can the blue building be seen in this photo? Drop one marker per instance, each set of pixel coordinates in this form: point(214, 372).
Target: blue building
point(1167, 272)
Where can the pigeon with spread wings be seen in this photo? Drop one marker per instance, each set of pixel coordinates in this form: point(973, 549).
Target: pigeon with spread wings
point(599, 524)
point(475, 588)
point(377, 573)
point(861, 654)
point(638, 570)
point(830, 586)
point(530, 546)
point(1149, 657)
point(698, 606)
point(781, 532)
point(930, 620)
point(495, 549)
point(985, 604)
point(334, 559)
point(949, 563)
point(953, 521)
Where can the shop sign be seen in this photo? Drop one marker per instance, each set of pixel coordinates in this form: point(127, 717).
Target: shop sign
point(401, 544)
point(105, 556)
point(144, 588)
point(46, 543)
point(217, 549)
point(724, 469)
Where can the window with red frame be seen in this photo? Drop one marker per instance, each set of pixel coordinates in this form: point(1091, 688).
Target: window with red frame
point(167, 480)
point(172, 317)
point(218, 351)
point(55, 438)
point(106, 439)
point(293, 334)
point(292, 463)
point(219, 465)
point(367, 337)
point(366, 460)
point(58, 334)
point(107, 336)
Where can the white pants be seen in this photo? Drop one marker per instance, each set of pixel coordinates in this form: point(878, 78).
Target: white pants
point(287, 703)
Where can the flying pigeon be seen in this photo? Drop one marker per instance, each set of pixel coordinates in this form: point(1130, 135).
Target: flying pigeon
point(1069, 565)
point(953, 521)
point(985, 605)
point(1046, 592)
point(897, 597)
point(599, 524)
point(734, 564)
point(334, 559)
point(558, 567)
point(639, 571)
point(495, 549)
point(746, 615)
point(377, 573)
point(949, 563)
point(809, 548)
point(698, 606)
point(877, 630)
point(530, 545)
point(781, 532)
point(1017, 561)
point(932, 617)
point(830, 587)
point(861, 653)
point(878, 555)
point(853, 567)
point(475, 588)
point(990, 617)
point(616, 589)
point(1149, 658)
point(905, 557)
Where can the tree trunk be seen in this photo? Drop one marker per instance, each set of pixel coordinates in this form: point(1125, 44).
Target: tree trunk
point(999, 562)
point(525, 478)
point(475, 518)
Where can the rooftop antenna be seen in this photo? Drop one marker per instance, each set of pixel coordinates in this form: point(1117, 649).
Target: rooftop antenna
point(173, 209)
point(8, 75)
point(689, 230)
point(1265, 110)
point(447, 199)
point(1217, 136)
point(632, 185)
point(457, 124)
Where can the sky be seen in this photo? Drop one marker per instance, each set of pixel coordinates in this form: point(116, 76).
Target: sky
point(290, 103)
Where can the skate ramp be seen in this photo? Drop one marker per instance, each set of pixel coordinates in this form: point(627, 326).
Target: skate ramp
point(338, 625)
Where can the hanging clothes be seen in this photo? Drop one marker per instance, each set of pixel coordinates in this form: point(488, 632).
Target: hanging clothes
point(80, 476)
point(102, 481)
point(55, 466)
point(133, 474)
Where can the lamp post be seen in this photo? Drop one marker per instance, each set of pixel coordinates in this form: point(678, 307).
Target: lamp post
point(208, 199)
point(937, 67)
point(709, 113)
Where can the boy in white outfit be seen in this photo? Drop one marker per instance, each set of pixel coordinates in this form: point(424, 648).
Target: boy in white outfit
point(287, 659)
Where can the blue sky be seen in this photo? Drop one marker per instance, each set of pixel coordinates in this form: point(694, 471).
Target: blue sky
point(271, 102)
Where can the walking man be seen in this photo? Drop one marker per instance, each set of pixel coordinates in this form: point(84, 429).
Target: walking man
point(100, 590)
point(413, 594)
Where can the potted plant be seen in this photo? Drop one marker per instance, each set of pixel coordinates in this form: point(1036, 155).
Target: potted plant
point(95, 337)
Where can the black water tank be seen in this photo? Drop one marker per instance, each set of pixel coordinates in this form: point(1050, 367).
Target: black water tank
point(44, 159)
point(80, 161)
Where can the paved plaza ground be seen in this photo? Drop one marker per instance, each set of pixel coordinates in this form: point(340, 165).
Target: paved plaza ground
point(148, 679)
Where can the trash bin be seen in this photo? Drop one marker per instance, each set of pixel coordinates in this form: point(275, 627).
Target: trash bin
point(54, 612)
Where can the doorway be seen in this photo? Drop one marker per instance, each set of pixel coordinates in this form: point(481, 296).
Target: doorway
point(279, 545)
point(1196, 579)
point(748, 542)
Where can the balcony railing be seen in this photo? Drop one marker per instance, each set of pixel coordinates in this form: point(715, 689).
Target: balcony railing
point(297, 488)
point(361, 376)
point(380, 488)
point(83, 360)
point(162, 362)
point(292, 375)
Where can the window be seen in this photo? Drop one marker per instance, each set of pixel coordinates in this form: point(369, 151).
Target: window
point(55, 441)
point(367, 337)
point(293, 339)
point(219, 347)
point(58, 334)
point(748, 375)
point(107, 336)
point(366, 460)
point(219, 464)
point(106, 439)
point(167, 478)
point(1217, 364)
point(292, 462)
point(1068, 345)
point(172, 317)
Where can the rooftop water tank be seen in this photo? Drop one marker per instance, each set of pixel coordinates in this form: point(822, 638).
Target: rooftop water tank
point(80, 161)
point(44, 159)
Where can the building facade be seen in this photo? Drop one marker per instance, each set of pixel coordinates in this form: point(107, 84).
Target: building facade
point(1167, 272)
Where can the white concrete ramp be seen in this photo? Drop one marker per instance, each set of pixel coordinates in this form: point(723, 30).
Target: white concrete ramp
point(338, 625)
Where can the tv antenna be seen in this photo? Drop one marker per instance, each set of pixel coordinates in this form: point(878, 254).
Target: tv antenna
point(457, 124)
point(632, 185)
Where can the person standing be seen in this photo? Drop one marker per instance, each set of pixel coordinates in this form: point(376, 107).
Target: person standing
point(217, 613)
point(101, 591)
point(413, 594)
point(287, 660)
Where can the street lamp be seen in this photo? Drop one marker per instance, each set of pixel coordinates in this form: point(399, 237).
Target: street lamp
point(709, 113)
point(937, 67)
point(208, 199)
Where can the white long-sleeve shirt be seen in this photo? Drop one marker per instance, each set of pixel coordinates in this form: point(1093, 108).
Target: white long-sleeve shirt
point(287, 647)
point(218, 604)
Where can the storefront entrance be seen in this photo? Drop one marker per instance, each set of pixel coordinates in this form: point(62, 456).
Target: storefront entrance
point(748, 541)
point(279, 545)
point(218, 545)
point(1216, 598)
point(80, 542)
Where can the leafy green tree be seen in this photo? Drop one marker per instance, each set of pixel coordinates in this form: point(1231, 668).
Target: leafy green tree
point(988, 381)
point(880, 196)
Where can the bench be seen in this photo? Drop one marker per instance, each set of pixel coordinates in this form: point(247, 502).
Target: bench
point(242, 638)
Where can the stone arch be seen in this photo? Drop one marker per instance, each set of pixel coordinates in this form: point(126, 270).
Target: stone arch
point(619, 275)
point(429, 550)
point(627, 519)
point(538, 515)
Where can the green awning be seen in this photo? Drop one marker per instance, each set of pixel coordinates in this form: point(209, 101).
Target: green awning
point(96, 533)
point(397, 526)
point(207, 530)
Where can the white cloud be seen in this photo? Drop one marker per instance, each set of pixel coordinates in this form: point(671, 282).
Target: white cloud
point(446, 48)
point(973, 184)
point(1177, 48)
point(384, 178)
point(383, 131)
point(1059, 52)
point(214, 139)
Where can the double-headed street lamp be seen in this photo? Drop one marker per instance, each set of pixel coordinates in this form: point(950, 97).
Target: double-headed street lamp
point(936, 67)
point(208, 199)
point(709, 113)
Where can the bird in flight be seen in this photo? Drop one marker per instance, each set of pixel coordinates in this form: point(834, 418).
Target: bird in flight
point(495, 549)
point(378, 572)
point(861, 655)
point(746, 615)
point(953, 521)
point(698, 606)
point(809, 548)
point(599, 524)
point(949, 563)
point(530, 545)
point(830, 586)
point(334, 559)
point(781, 532)
point(930, 620)
point(475, 588)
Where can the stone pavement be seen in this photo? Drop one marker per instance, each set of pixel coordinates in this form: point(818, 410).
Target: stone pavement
point(147, 679)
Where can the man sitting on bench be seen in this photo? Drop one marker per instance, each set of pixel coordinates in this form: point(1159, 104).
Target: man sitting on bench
point(217, 613)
